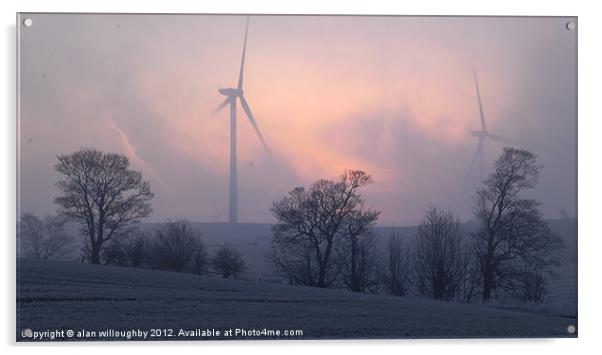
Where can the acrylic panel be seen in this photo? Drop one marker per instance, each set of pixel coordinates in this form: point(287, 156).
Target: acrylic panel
point(221, 177)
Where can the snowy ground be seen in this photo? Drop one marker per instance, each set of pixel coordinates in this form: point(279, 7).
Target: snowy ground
point(74, 296)
point(253, 241)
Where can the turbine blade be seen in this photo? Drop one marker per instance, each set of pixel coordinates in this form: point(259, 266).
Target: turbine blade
point(481, 157)
point(247, 109)
point(476, 85)
point(242, 61)
point(495, 137)
point(221, 106)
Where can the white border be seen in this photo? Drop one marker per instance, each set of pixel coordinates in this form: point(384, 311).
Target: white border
point(590, 176)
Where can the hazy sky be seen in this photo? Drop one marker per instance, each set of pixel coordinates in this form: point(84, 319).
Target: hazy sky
point(390, 95)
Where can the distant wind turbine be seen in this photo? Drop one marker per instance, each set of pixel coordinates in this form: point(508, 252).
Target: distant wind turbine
point(483, 134)
point(232, 95)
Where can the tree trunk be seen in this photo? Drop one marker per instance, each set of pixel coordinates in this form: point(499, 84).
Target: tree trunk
point(354, 278)
point(437, 287)
point(95, 252)
point(487, 285)
point(324, 265)
point(322, 275)
point(95, 257)
point(488, 271)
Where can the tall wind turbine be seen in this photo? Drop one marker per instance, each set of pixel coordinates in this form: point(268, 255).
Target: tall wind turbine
point(232, 95)
point(483, 134)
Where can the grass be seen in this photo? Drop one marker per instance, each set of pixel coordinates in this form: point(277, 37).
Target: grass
point(69, 295)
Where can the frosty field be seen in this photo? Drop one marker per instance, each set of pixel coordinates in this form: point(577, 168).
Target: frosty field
point(73, 296)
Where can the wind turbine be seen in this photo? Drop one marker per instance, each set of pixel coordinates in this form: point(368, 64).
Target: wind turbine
point(483, 134)
point(232, 95)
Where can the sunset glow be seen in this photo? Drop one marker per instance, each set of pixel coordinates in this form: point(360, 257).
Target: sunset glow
point(390, 95)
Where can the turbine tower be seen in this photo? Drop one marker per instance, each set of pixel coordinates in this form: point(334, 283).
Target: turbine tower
point(483, 134)
point(232, 95)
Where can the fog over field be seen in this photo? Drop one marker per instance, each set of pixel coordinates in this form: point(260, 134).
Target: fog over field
point(253, 240)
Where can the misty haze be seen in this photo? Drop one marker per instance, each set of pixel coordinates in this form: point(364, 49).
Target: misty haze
point(284, 172)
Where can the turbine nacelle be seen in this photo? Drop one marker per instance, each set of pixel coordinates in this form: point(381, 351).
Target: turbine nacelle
point(482, 134)
point(231, 92)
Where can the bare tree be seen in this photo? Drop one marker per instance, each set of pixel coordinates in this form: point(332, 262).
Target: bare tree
point(114, 253)
point(310, 222)
point(42, 238)
point(471, 279)
point(293, 263)
point(438, 255)
point(137, 249)
point(175, 244)
point(397, 272)
point(533, 285)
point(100, 192)
point(228, 262)
point(357, 262)
point(511, 230)
point(200, 259)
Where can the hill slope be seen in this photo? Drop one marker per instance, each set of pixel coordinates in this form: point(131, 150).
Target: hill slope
point(67, 295)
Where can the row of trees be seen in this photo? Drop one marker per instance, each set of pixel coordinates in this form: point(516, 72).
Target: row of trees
point(437, 263)
point(43, 238)
point(323, 238)
point(99, 192)
point(174, 246)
